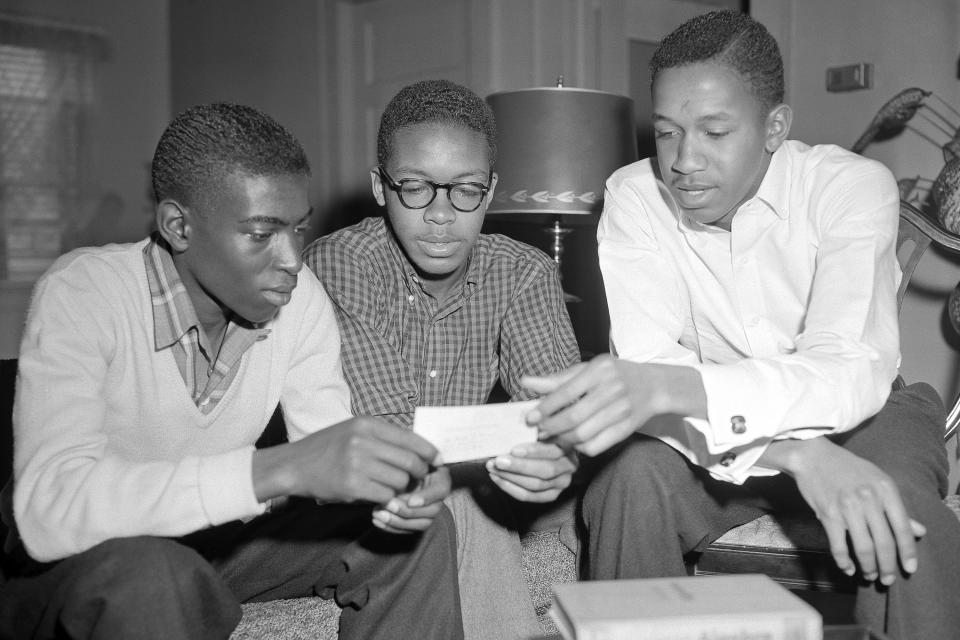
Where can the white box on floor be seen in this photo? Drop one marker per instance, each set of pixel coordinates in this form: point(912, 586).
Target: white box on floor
point(734, 607)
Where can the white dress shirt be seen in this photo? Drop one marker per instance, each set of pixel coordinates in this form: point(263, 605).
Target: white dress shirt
point(790, 317)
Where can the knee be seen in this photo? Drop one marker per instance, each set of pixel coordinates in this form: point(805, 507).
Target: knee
point(632, 471)
point(637, 461)
point(443, 531)
point(142, 571)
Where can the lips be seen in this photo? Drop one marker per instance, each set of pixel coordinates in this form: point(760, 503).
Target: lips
point(278, 296)
point(691, 194)
point(443, 247)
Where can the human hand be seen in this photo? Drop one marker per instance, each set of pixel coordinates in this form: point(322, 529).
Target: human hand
point(535, 472)
point(853, 497)
point(414, 511)
point(593, 406)
point(359, 459)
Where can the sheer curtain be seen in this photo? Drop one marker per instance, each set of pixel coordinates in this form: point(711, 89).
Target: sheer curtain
point(47, 92)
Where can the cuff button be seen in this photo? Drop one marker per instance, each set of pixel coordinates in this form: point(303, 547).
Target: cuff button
point(738, 424)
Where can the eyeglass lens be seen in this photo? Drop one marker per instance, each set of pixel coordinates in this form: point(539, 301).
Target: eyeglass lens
point(417, 194)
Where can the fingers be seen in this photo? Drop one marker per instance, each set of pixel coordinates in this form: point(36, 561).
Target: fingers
point(374, 481)
point(837, 538)
point(881, 534)
point(547, 384)
point(537, 468)
point(395, 524)
point(398, 516)
point(435, 488)
point(522, 493)
point(540, 450)
point(573, 383)
point(904, 531)
point(403, 439)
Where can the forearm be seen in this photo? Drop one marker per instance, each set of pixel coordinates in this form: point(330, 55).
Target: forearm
point(678, 390)
point(793, 456)
point(63, 507)
point(273, 474)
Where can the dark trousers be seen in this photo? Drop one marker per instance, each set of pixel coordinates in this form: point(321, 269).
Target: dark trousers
point(191, 587)
point(647, 507)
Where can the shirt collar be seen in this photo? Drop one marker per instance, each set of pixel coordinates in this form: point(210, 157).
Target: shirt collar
point(471, 280)
point(774, 189)
point(173, 312)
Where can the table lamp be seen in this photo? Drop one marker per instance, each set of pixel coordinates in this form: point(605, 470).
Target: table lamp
point(556, 146)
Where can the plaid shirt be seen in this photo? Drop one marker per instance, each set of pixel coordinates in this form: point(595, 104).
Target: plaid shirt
point(402, 348)
point(207, 369)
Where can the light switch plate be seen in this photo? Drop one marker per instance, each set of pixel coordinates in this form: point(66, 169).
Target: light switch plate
point(850, 77)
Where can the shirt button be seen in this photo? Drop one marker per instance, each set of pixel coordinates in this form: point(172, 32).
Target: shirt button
point(738, 424)
point(727, 459)
point(433, 373)
point(744, 260)
point(753, 321)
point(410, 298)
point(205, 402)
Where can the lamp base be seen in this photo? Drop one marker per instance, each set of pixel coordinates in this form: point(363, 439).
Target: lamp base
point(557, 233)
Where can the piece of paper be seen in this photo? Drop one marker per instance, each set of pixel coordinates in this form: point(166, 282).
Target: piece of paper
point(475, 432)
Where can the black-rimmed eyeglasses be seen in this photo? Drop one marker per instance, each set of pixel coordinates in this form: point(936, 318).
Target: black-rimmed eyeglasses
point(415, 193)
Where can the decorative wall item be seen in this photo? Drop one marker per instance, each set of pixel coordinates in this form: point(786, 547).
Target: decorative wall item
point(938, 198)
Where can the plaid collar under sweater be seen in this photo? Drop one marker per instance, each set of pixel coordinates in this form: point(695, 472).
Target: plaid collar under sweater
point(207, 369)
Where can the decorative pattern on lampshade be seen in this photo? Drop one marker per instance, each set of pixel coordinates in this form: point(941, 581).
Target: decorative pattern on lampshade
point(556, 146)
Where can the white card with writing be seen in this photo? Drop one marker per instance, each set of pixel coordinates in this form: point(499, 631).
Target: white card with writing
point(475, 432)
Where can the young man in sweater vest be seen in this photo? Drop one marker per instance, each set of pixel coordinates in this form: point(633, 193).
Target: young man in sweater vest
point(146, 374)
point(752, 285)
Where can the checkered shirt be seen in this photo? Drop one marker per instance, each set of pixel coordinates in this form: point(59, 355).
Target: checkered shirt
point(402, 348)
point(207, 370)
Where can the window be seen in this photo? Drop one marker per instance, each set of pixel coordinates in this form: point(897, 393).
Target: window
point(46, 95)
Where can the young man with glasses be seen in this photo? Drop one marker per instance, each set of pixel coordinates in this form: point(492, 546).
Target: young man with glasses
point(432, 312)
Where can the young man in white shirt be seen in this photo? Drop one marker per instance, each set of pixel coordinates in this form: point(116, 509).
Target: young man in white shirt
point(148, 371)
point(752, 285)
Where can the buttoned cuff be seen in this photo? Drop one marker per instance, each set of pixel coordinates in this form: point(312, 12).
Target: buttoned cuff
point(734, 464)
point(226, 486)
point(733, 421)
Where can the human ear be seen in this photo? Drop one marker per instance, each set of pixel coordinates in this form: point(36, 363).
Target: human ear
point(778, 126)
point(173, 225)
point(376, 184)
point(493, 186)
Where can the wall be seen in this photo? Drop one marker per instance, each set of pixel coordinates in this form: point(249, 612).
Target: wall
point(911, 44)
point(267, 55)
point(133, 108)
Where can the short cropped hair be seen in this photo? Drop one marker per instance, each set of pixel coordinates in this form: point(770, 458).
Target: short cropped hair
point(206, 143)
point(730, 38)
point(435, 101)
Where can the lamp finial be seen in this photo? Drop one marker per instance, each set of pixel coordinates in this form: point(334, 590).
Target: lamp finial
point(560, 80)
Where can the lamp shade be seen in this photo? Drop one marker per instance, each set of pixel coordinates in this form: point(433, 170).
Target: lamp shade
point(556, 146)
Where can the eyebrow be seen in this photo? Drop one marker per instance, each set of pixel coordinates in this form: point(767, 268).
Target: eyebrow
point(464, 176)
point(720, 116)
point(276, 221)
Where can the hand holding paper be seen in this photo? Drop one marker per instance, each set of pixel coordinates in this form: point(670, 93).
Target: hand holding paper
point(475, 432)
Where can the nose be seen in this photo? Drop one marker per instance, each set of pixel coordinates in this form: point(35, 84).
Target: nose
point(441, 210)
point(689, 158)
point(288, 252)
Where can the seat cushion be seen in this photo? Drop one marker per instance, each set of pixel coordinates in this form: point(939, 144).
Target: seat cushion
point(778, 533)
